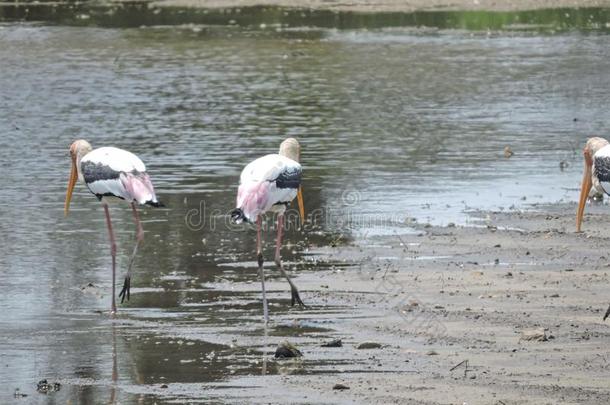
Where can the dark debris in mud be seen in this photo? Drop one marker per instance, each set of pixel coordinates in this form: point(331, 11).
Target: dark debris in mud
point(45, 387)
point(18, 394)
point(287, 350)
point(369, 345)
point(333, 343)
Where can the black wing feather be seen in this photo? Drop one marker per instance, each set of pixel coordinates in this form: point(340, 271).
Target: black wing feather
point(289, 178)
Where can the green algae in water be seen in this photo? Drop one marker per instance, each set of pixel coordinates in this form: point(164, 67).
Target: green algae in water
point(136, 14)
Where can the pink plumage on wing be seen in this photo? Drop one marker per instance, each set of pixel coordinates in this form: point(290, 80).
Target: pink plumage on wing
point(139, 187)
point(253, 199)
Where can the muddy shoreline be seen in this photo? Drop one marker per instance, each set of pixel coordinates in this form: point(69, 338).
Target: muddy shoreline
point(451, 306)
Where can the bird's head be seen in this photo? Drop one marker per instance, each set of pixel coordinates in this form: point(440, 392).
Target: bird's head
point(291, 149)
point(591, 147)
point(78, 149)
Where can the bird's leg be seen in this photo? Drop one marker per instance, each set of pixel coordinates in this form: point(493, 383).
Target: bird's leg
point(113, 253)
point(139, 238)
point(261, 271)
point(278, 261)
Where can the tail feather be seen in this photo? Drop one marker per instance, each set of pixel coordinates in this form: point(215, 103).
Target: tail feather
point(155, 204)
point(238, 216)
point(139, 188)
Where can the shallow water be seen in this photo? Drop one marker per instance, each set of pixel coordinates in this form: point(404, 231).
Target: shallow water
point(395, 124)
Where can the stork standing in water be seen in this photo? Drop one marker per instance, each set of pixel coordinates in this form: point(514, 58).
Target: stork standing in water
point(112, 174)
point(596, 178)
point(269, 184)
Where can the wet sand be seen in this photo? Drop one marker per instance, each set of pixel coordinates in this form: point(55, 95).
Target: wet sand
point(446, 295)
point(364, 6)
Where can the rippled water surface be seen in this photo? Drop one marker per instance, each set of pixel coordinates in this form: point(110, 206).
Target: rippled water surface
point(394, 123)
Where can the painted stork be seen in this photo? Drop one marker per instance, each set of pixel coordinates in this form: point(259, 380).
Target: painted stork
point(269, 184)
point(596, 178)
point(112, 174)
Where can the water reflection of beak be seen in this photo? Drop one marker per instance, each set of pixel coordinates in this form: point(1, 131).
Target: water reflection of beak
point(301, 204)
point(584, 190)
point(71, 184)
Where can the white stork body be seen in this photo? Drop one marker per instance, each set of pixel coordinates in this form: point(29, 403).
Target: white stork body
point(596, 178)
point(269, 184)
point(601, 170)
point(112, 174)
point(597, 172)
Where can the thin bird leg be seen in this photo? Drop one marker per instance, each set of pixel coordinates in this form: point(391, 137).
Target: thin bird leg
point(113, 253)
point(261, 271)
point(139, 238)
point(278, 261)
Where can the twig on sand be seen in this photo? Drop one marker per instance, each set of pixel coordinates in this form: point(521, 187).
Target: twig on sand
point(465, 363)
point(607, 313)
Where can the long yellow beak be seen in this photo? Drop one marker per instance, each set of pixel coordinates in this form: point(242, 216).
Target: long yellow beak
point(584, 193)
point(71, 184)
point(301, 205)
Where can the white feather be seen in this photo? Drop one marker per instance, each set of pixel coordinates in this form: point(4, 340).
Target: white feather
point(267, 168)
point(114, 187)
point(117, 159)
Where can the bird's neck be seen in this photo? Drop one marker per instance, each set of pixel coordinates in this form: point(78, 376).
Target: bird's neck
point(78, 170)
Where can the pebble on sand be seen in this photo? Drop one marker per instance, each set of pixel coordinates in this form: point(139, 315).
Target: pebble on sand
point(340, 386)
point(536, 335)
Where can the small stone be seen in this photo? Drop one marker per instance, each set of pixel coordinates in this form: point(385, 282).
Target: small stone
point(163, 386)
point(340, 386)
point(508, 152)
point(287, 350)
point(536, 335)
point(432, 353)
point(333, 343)
point(369, 345)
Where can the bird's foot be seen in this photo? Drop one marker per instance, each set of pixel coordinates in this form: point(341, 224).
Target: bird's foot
point(125, 291)
point(296, 299)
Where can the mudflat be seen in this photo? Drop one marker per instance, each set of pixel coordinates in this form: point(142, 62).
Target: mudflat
point(508, 312)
